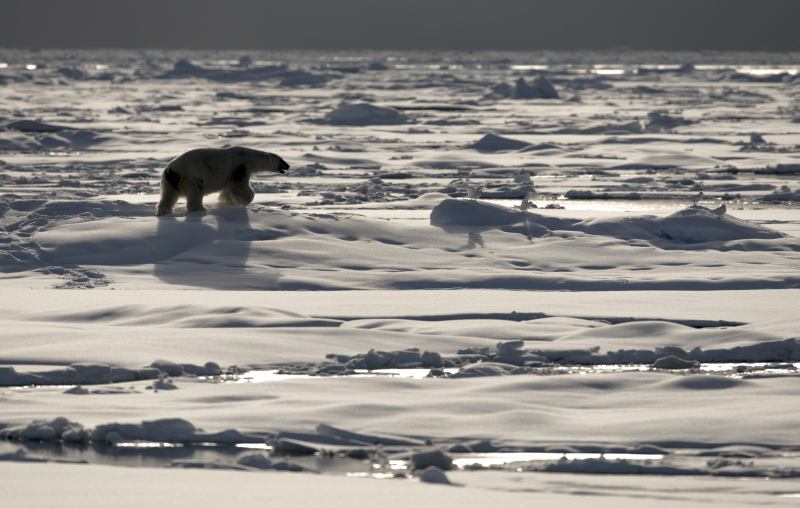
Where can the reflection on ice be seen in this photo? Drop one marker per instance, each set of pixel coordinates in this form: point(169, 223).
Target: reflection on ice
point(766, 71)
point(529, 67)
point(608, 205)
point(755, 70)
point(255, 446)
point(736, 370)
point(498, 459)
point(608, 72)
point(261, 376)
point(146, 444)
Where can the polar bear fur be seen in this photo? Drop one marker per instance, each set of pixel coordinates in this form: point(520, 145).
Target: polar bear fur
point(203, 171)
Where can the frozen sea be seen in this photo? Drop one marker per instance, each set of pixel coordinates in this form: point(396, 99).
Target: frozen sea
point(482, 280)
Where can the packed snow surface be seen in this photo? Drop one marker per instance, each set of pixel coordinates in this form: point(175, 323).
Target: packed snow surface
point(542, 236)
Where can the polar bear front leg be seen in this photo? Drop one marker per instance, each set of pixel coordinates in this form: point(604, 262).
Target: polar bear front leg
point(194, 197)
point(245, 194)
point(238, 191)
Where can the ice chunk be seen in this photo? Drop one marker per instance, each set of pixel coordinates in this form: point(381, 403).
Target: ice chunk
point(77, 390)
point(540, 88)
point(255, 460)
point(452, 212)
point(168, 367)
point(44, 430)
point(658, 121)
point(485, 369)
point(365, 114)
point(491, 143)
point(675, 363)
point(438, 459)
point(31, 126)
point(434, 475)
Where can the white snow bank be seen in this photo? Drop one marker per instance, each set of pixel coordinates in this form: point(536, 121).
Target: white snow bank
point(185, 69)
point(539, 88)
point(76, 373)
point(660, 121)
point(433, 474)
point(674, 411)
point(171, 430)
point(492, 143)
point(29, 125)
point(98, 373)
point(473, 212)
point(666, 346)
point(46, 430)
point(68, 485)
point(364, 114)
point(61, 139)
point(689, 226)
point(247, 462)
point(783, 194)
point(714, 467)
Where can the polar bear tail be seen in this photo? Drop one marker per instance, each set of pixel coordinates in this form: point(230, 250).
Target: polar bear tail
point(172, 178)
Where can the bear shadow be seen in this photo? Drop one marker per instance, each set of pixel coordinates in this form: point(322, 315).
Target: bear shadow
point(209, 253)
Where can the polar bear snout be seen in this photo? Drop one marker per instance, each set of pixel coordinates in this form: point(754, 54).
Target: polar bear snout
point(283, 166)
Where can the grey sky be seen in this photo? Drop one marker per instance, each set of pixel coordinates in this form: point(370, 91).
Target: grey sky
point(403, 24)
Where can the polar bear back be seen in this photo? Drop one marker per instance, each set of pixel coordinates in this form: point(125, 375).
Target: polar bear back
point(215, 166)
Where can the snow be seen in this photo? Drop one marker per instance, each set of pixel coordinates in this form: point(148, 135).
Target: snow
point(433, 474)
point(611, 315)
point(364, 114)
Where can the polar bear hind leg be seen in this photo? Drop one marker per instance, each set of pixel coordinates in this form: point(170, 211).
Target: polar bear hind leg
point(194, 196)
point(225, 197)
point(169, 195)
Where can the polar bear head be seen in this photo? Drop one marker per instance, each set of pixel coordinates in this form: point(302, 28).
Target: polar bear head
point(255, 161)
point(275, 164)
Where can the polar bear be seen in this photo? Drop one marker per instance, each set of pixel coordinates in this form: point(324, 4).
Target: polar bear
point(203, 171)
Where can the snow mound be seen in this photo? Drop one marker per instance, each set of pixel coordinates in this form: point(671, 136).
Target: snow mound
point(690, 226)
point(365, 114)
point(471, 212)
point(434, 475)
point(436, 458)
point(784, 194)
point(781, 168)
point(29, 126)
point(714, 467)
point(409, 358)
point(49, 137)
point(485, 369)
point(98, 373)
point(540, 88)
point(675, 363)
point(304, 79)
point(171, 430)
point(659, 122)
point(185, 69)
point(77, 373)
point(42, 430)
point(491, 143)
